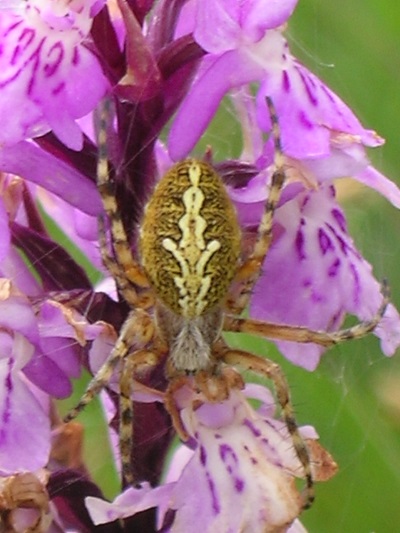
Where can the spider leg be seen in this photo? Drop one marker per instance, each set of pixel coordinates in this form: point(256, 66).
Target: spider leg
point(137, 330)
point(304, 335)
point(129, 293)
point(273, 372)
point(171, 406)
point(126, 270)
point(101, 379)
point(126, 419)
point(129, 367)
point(249, 271)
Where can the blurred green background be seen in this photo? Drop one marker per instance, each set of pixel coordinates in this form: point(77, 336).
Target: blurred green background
point(353, 399)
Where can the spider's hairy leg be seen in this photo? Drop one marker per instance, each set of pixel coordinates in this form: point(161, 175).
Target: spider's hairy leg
point(365, 327)
point(249, 272)
point(130, 364)
point(126, 419)
point(277, 331)
point(131, 350)
point(125, 269)
point(171, 406)
point(100, 380)
point(136, 330)
point(273, 372)
point(129, 293)
point(305, 335)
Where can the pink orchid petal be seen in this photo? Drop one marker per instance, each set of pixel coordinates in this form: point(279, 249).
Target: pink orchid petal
point(222, 25)
point(23, 445)
point(27, 160)
point(4, 232)
point(374, 179)
point(44, 67)
point(314, 275)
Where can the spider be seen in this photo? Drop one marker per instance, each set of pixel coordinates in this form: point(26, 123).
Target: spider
point(181, 295)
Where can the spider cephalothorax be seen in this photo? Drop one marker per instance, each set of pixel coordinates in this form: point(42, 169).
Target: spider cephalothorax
point(180, 294)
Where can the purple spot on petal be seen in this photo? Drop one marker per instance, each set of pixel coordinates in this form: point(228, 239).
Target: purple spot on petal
point(306, 200)
point(256, 432)
point(357, 285)
point(285, 52)
point(203, 456)
point(334, 268)
point(6, 413)
point(58, 89)
point(226, 452)
point(336, 320)
point(25, 39)
point(272, 452)
point(34, 60)
point(253, 460)
point(325, 242)
point(239, 484)
point(305, 121)
point(316, 297)
point(285, 82)
point(342, 243)
point(54, 59)
point(309, 86)
point(12, 27)
point(215, 504)
point(307, 283)
point(75, 57)
point(339, 217)
point(299, 242)
point(334, 103)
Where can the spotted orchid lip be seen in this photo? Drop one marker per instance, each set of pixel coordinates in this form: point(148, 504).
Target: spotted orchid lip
point(43, 59)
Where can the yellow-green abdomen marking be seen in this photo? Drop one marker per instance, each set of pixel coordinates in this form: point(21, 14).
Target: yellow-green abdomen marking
point(190, 239)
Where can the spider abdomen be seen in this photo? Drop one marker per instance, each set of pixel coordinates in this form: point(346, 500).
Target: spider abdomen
point(190, 239)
